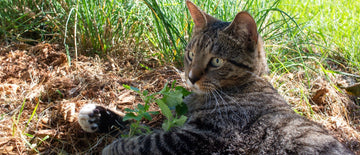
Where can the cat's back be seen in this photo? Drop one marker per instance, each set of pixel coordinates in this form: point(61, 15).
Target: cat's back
point(278, 129)
point(255, 119)
point(285, 132)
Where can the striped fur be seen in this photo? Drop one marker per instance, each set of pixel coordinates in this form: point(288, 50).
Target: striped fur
point(232, 110)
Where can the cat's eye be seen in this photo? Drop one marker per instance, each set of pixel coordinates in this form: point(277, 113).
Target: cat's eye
point(191, 55)
point(216, 62)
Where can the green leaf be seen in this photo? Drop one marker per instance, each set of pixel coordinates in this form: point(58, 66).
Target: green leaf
point(148, 99)
point(164, 109)
point(147, 116)
point(130, 110)
point(166, 125)
point(173, 98)
point(154, 112)
point(134, 89)
point(145, 92)
point(129, 116)
point(29, 135)
point(126, 86)
point(33, 113)
point(180, 121)
point(140, 107)
point(183, 91)
point(181, 109)
point(21, 110)
point(131, 88)
point(139, 117)
point(45, 138)
point(173, 84)
point(165, 89)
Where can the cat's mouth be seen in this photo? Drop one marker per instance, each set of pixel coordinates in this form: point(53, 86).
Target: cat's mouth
point(194, 87)
point(200, 87)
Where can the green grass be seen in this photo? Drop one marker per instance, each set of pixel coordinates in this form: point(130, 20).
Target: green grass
point(327, 30)
point(334, 25)
point(295, 32)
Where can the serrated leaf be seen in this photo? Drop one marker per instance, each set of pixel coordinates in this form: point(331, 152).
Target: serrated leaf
point(139, 117)
point(129, 116)
point(147, 116)
point(129, 110)
point(164, 109)
point(180, 121)
point(154, 112)
point(140, 107)
point(184, 91)
point(172, 99)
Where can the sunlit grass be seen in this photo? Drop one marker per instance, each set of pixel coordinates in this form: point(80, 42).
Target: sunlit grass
point(292, 30)
point(334, 26)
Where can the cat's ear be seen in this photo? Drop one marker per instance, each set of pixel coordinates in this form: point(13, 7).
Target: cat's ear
point(200, 18)
point(243, 22)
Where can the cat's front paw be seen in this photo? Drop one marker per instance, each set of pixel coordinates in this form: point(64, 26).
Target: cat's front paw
point(96, 118)
point(89, 117)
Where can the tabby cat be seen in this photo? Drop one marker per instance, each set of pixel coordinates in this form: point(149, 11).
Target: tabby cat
point(233, 110)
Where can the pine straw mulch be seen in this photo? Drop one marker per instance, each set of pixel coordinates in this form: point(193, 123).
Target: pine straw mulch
point(41, 96)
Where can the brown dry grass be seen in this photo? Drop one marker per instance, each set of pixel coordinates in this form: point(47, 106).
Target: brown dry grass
point(40, 75)
point(323, 103)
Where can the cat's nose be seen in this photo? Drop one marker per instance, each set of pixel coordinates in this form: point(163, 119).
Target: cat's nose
point(194, 76)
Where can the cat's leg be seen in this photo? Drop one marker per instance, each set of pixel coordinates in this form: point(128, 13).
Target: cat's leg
point(95, 118)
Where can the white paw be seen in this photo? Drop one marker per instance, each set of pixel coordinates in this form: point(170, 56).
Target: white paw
point(88, 118)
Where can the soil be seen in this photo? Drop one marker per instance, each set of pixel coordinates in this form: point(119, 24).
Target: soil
point(41, 95)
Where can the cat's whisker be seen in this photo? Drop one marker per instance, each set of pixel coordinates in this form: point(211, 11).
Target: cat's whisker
point(216, 102)
point(208, 101)
point(228, 106)
point(225, 104)
point(220, 105)
point(234, 102)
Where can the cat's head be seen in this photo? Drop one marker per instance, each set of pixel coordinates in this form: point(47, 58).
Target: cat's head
point(222, 54)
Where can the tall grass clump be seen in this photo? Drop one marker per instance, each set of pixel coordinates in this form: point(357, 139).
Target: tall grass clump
point(24, 21)
point(161, 29)
point(102, 27)
point(90, 27)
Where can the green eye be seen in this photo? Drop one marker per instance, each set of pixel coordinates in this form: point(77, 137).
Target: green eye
point(191, 55)
point(217, 62)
